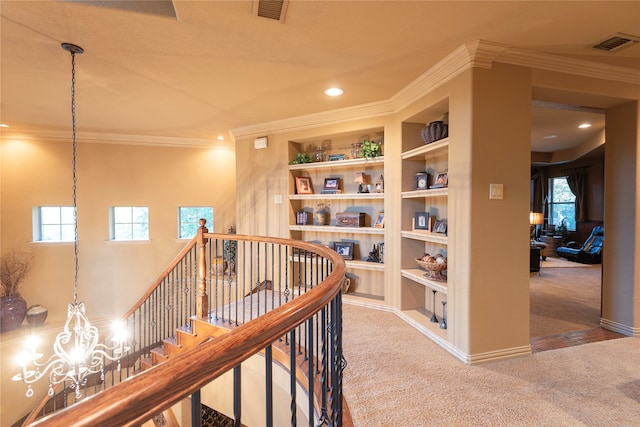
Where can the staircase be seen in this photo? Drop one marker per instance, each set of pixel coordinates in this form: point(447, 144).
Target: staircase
point(291, 314)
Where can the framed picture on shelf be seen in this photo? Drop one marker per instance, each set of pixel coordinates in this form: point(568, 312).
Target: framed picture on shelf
point(440, 226)
point(334, 157)
point(440, 180)
point(379, 185)
point(331, 184)
point(421, 221)
point(303, 185)
point(379, 223)
point(344, 249)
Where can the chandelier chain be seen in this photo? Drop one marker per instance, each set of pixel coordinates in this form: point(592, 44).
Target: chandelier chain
point(73, 173)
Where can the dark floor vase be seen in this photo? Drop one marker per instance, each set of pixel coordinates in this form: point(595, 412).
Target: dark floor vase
point(12, 312)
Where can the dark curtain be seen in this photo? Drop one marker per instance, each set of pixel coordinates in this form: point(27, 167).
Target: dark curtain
point(576, 178)
point(538, 184)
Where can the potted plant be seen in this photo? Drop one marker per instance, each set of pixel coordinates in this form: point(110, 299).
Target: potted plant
point(561, 229)
point(14, 269)
point(370, 149)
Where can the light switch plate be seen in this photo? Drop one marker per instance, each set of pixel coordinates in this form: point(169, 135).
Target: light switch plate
point(277, 199)
point(495, 191)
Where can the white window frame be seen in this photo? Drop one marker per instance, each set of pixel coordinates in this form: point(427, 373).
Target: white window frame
point(570, 227)
point(113, 225)
point(38, 223)
point(209, 223)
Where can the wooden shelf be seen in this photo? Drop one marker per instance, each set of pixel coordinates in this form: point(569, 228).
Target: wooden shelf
point(435, 192)
point(364, 265)
point(343, 196)
point(426, 236)
point(364, 300)
point(417, 275)
point(429, 150)
point(336, 229)
point(338, 164)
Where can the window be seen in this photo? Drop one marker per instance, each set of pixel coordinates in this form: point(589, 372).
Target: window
point(189, 219)
point(129, 223)
point(562, 203)
point(53, 224)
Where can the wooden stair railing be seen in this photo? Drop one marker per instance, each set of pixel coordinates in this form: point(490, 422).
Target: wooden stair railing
point(221, 348)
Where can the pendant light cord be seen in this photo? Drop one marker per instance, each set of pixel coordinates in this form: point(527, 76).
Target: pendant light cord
point(73, 172)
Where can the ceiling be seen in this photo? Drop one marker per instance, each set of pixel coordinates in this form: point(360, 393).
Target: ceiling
point(195, 70)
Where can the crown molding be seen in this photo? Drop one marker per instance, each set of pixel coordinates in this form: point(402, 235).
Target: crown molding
point(579, 67)
point(373, 109)
point(117, 139)
point(478, 54)
point(475, 54)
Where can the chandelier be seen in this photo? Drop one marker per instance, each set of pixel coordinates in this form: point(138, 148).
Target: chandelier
point(77, 354)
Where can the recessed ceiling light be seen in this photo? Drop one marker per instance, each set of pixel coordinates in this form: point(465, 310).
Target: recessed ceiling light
point(584, 126)
point(333, 91)
point(2, 125)
point(549, 136)
point(220, 138)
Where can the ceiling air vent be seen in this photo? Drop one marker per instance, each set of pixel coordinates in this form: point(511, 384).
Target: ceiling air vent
point(271, 9)
point(616, 42)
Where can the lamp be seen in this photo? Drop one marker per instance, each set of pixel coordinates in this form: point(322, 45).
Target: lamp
point(535, 219)
point(361, 180)
point(76, 351)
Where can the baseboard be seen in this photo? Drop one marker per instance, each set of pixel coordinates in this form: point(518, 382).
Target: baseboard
point(619, 328)
point(468, 359)
point(507, 353)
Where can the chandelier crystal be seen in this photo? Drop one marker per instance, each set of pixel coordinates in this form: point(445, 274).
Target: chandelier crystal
point(77, 353)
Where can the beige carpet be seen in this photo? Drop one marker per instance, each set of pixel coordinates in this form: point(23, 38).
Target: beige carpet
point(564, 299)
point(556, 262)
point(398, 377)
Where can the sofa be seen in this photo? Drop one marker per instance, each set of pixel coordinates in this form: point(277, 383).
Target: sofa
point(590, 252)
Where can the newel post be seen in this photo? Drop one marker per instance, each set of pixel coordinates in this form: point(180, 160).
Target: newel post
point(202, 299)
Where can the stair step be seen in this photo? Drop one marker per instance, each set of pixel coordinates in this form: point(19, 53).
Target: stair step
point(158, 355)
point(146, 362)
point(171, 346)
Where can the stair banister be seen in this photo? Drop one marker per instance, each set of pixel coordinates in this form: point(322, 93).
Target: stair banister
point(139, 398)
point(202, 299)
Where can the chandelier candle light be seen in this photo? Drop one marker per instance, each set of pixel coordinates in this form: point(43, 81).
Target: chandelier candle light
point(77, 352)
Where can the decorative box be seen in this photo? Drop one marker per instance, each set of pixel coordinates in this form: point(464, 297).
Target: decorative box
point(350, 219)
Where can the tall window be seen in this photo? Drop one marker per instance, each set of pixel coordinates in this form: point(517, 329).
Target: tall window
point(129, 223)
point(53, 224)
point(189, 219)
point(562, 203)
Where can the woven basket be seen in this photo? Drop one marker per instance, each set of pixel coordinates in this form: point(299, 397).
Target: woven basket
point(434, 269)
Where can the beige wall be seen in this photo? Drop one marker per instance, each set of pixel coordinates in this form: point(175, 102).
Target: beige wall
point(621, 251)
point(499, 153)
point(113, 276)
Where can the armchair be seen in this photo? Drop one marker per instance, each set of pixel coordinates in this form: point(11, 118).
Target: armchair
point(589, 253)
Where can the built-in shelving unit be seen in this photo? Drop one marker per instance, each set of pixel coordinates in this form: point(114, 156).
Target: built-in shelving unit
point(422, 294)
point(367, 278)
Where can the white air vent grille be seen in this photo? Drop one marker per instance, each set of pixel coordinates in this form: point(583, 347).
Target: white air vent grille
point(615, 42)
point(271, 9)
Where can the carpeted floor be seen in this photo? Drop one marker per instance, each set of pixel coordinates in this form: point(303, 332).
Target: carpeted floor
point(564, 299)
point(398, 377)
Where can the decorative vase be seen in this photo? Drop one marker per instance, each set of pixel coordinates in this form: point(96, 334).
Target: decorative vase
point(321, 154)
point(321, 217)
point(435, 130)
point(356, 150)
point(424, 133)
point(13, 310)
point(37, 314)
